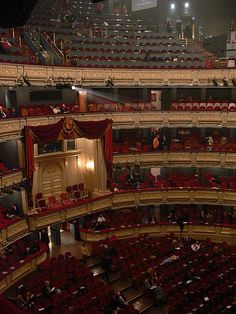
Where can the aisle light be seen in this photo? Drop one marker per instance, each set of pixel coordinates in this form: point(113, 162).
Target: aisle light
point(172, 6)
point(186, 5)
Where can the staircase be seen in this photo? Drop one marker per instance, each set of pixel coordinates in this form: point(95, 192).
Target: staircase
point(196, 46)
point(52, 49)
point(134, 295)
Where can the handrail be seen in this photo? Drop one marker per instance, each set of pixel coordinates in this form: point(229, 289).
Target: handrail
point(58, 52)
point(116, 200)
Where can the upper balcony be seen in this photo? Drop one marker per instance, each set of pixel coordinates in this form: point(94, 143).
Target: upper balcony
point(11, 128)
point(90, 77)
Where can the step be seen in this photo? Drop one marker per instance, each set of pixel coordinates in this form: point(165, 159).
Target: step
point(157, 310)
point(92, 261)
point(120, 284)
point(142, 304)
point(131, 294)
point(97, 270)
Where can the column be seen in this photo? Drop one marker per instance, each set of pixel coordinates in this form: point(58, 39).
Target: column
point(82, 100)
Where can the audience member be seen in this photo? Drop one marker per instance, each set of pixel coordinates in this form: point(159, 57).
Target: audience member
point(2, 113)
point(154, 289)
point(20, 302)
point(85, 251)
point(48, 289)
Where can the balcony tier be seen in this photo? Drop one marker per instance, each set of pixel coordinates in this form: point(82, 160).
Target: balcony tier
point(178, 159)
point(11, 128)
point(22, 268)
point(38, 75)
point(217, 233)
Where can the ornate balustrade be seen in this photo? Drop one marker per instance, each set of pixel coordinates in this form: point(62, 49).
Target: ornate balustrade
point(115, 200)
point(178, 158)
point(11, 128)
point(10, 178)
point(13, 231)
point(132, 198)
point(217, 233)
point(38, 75)
point(22, 268)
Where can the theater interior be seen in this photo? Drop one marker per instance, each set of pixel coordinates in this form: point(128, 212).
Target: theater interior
point(118, 157)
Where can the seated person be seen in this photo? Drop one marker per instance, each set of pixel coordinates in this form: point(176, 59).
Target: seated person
point(30, 298)
point(3, 168)
point(85, 252)
point(195, 246)
point(55, 109)
point(155, 289)
point(64, 109)
point(117, 301)
point(11, 212)
point(101, 221)
point(48, 289)
point(20, 302)
point(2, 113)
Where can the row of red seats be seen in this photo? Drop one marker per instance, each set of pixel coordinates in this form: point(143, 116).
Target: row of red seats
point(196, 276)
point(143, 106)
point(41, 110)
point(15, 255)
point(202, 106)
point(178, 180)
point(73, 194)
point(79, 288)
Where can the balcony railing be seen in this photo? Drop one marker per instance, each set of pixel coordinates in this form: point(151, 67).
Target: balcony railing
point(178, 159)
point(217, 233)
point(117, 200)
point(38, 75)
point(11, 128)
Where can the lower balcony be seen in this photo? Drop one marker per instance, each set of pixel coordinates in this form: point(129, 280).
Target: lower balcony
point(22, 268)
point(217, 233)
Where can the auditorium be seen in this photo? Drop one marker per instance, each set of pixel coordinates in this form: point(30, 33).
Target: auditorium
point(118, 156)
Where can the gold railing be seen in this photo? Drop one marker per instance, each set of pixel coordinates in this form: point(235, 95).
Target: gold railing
point(178, 158)
point(10, 178)
point(38, 75)
point(217, 233)
point(23, 268)
point(11, 128)
point(115, 201)
point(13, 231)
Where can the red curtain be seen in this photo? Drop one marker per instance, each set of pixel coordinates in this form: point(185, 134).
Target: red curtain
point(67, 128)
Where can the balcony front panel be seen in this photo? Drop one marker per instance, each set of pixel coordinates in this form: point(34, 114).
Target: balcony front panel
point(11, 128)
point(217, 233)
point(10, 178)
point(38, 75)
point(132, 198)
point(13, 231)
point(22, 269)
point(178, 159)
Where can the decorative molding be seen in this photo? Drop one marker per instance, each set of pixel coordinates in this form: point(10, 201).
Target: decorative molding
point(217, 233)
point(11, 128)
point(22, 269)
point(38, 75)
point(178, 159)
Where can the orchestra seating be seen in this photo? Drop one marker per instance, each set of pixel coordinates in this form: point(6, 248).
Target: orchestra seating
point(203, 281)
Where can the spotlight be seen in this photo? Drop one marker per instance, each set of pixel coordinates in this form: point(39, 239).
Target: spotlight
point(26, 80)
point(234, 82)
point(214, 81)
point(109, 82)
point(225, 83)
point(186, 5)
point(172, 6)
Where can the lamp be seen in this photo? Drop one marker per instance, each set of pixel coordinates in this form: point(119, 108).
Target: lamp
point(214, 81)
point(225, 83)
point(109, 82)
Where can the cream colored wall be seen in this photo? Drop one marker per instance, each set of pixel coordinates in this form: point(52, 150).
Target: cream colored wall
point(83, 165)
